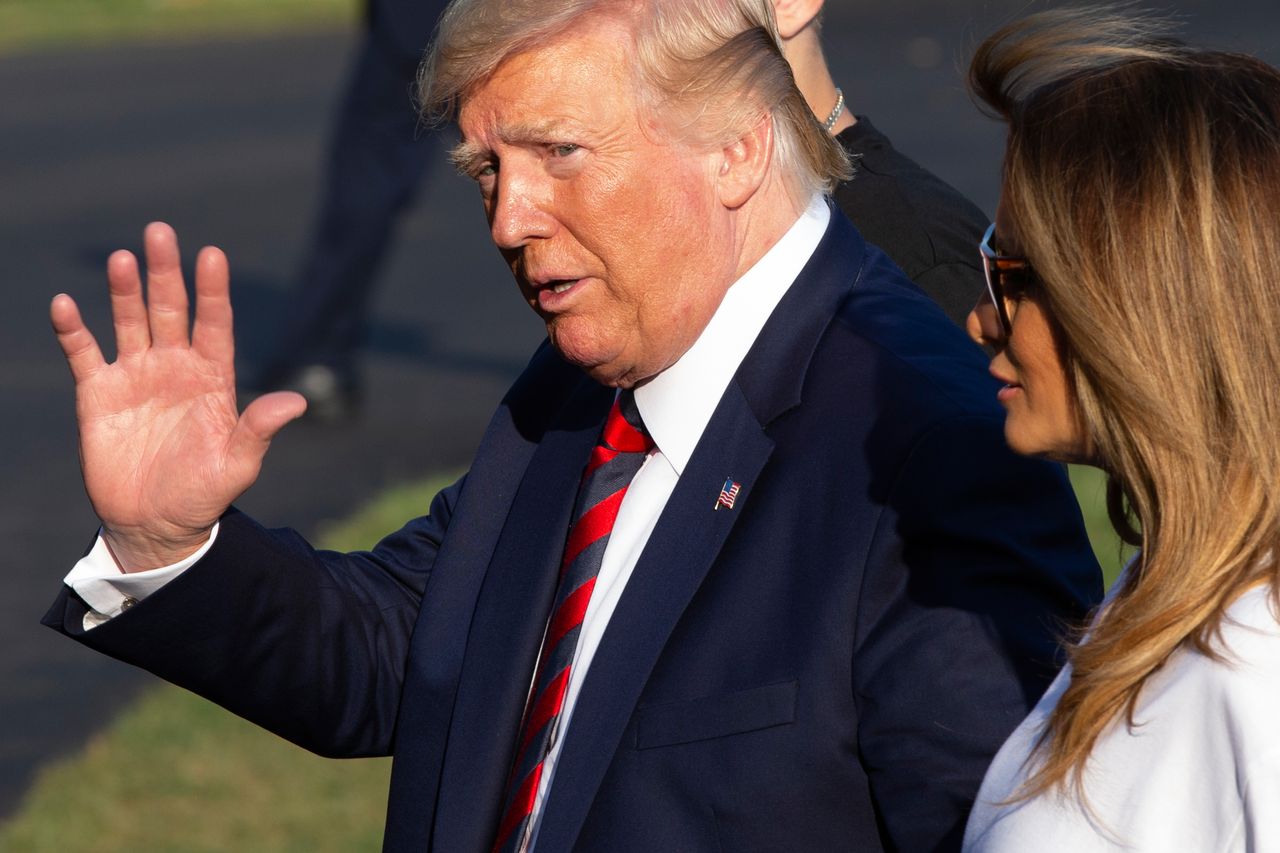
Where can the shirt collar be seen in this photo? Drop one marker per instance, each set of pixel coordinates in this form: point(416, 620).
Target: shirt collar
point(677, 404)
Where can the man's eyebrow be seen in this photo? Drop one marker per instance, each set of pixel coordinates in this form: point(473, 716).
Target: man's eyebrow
point(466, 154)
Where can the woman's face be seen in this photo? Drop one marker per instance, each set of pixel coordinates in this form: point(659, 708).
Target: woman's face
point(1042, 418)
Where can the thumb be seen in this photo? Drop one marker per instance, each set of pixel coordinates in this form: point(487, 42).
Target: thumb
point(259, 423)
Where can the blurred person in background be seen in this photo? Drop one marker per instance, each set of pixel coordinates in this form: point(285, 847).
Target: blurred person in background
point(377, 155)
point(1135, 316)
point(922, 223)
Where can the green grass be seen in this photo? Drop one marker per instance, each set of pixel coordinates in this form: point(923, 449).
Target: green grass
point(1090, 485)
point(32, 24)
point(177, 773)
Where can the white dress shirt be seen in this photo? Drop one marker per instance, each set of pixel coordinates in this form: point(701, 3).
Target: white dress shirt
point(1199, 772)
point(676, 406)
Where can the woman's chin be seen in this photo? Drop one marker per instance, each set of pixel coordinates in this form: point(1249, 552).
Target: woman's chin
point(1058, 445)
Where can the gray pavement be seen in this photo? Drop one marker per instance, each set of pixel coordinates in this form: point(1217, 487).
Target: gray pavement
point(222, 139)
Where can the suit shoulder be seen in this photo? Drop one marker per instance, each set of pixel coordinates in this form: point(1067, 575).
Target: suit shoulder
point(892, 334)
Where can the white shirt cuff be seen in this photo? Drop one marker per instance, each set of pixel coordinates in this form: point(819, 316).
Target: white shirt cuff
point(109, 592)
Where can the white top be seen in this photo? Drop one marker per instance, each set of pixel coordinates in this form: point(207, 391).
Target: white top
point(1199, 773)
point(676, 406)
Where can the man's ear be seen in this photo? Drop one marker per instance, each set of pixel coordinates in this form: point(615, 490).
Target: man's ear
point(794, 15)
point(744, 164)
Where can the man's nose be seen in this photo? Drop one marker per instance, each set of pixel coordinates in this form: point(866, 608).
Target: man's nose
point(520, 210)
point(983, 324)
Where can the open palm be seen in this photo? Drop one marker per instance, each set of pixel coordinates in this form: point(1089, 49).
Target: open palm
point(163, 449)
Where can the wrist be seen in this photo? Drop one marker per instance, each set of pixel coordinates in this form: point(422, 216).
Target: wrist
point(138, 552)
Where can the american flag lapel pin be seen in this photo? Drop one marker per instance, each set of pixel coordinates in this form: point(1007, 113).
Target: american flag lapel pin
point(728, 494)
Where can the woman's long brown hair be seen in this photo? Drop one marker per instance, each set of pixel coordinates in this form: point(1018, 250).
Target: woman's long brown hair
point(1142, 178)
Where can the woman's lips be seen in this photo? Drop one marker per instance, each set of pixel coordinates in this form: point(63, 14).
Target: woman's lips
point(1008, 392)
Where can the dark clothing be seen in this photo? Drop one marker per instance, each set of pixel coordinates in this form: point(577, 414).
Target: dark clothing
point(377, 157)
point(402, 29)
point(828, 665)
point(926, 226)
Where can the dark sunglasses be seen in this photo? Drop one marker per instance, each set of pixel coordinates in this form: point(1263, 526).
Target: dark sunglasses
point(1008, 278)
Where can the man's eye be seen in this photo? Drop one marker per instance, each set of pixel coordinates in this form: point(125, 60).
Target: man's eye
point(564, 149)
point(485, 170)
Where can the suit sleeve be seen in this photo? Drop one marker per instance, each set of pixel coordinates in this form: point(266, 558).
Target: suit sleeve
point(954, 286)
point(978, 565)
point(309, 644)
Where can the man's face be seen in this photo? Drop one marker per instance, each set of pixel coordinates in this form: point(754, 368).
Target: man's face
point(614, 234)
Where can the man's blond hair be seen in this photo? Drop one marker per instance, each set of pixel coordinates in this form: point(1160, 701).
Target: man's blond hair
point(706, 71)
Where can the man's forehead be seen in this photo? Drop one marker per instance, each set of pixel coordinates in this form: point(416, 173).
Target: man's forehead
point(530, 115)
point(534, 129)
point(566, 86)
point(585, 55)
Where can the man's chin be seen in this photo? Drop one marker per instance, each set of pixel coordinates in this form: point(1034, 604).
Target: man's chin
point(606, 374)
point(607, 371)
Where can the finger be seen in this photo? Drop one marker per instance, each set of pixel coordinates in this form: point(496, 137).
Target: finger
point(77, 342)
point(128, 311)
point(166, 292)
point(258, 424)
point(212, 336)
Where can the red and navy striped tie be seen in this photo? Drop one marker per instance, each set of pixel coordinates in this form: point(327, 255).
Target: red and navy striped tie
point(616, 458)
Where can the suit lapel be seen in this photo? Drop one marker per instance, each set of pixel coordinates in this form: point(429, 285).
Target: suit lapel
point(507, 627)
point(683, 546)
point(691, 531)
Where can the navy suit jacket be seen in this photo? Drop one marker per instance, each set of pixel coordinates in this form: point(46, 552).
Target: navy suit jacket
point(828, 665)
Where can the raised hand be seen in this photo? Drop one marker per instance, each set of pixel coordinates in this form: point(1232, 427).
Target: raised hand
point(162, 448)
